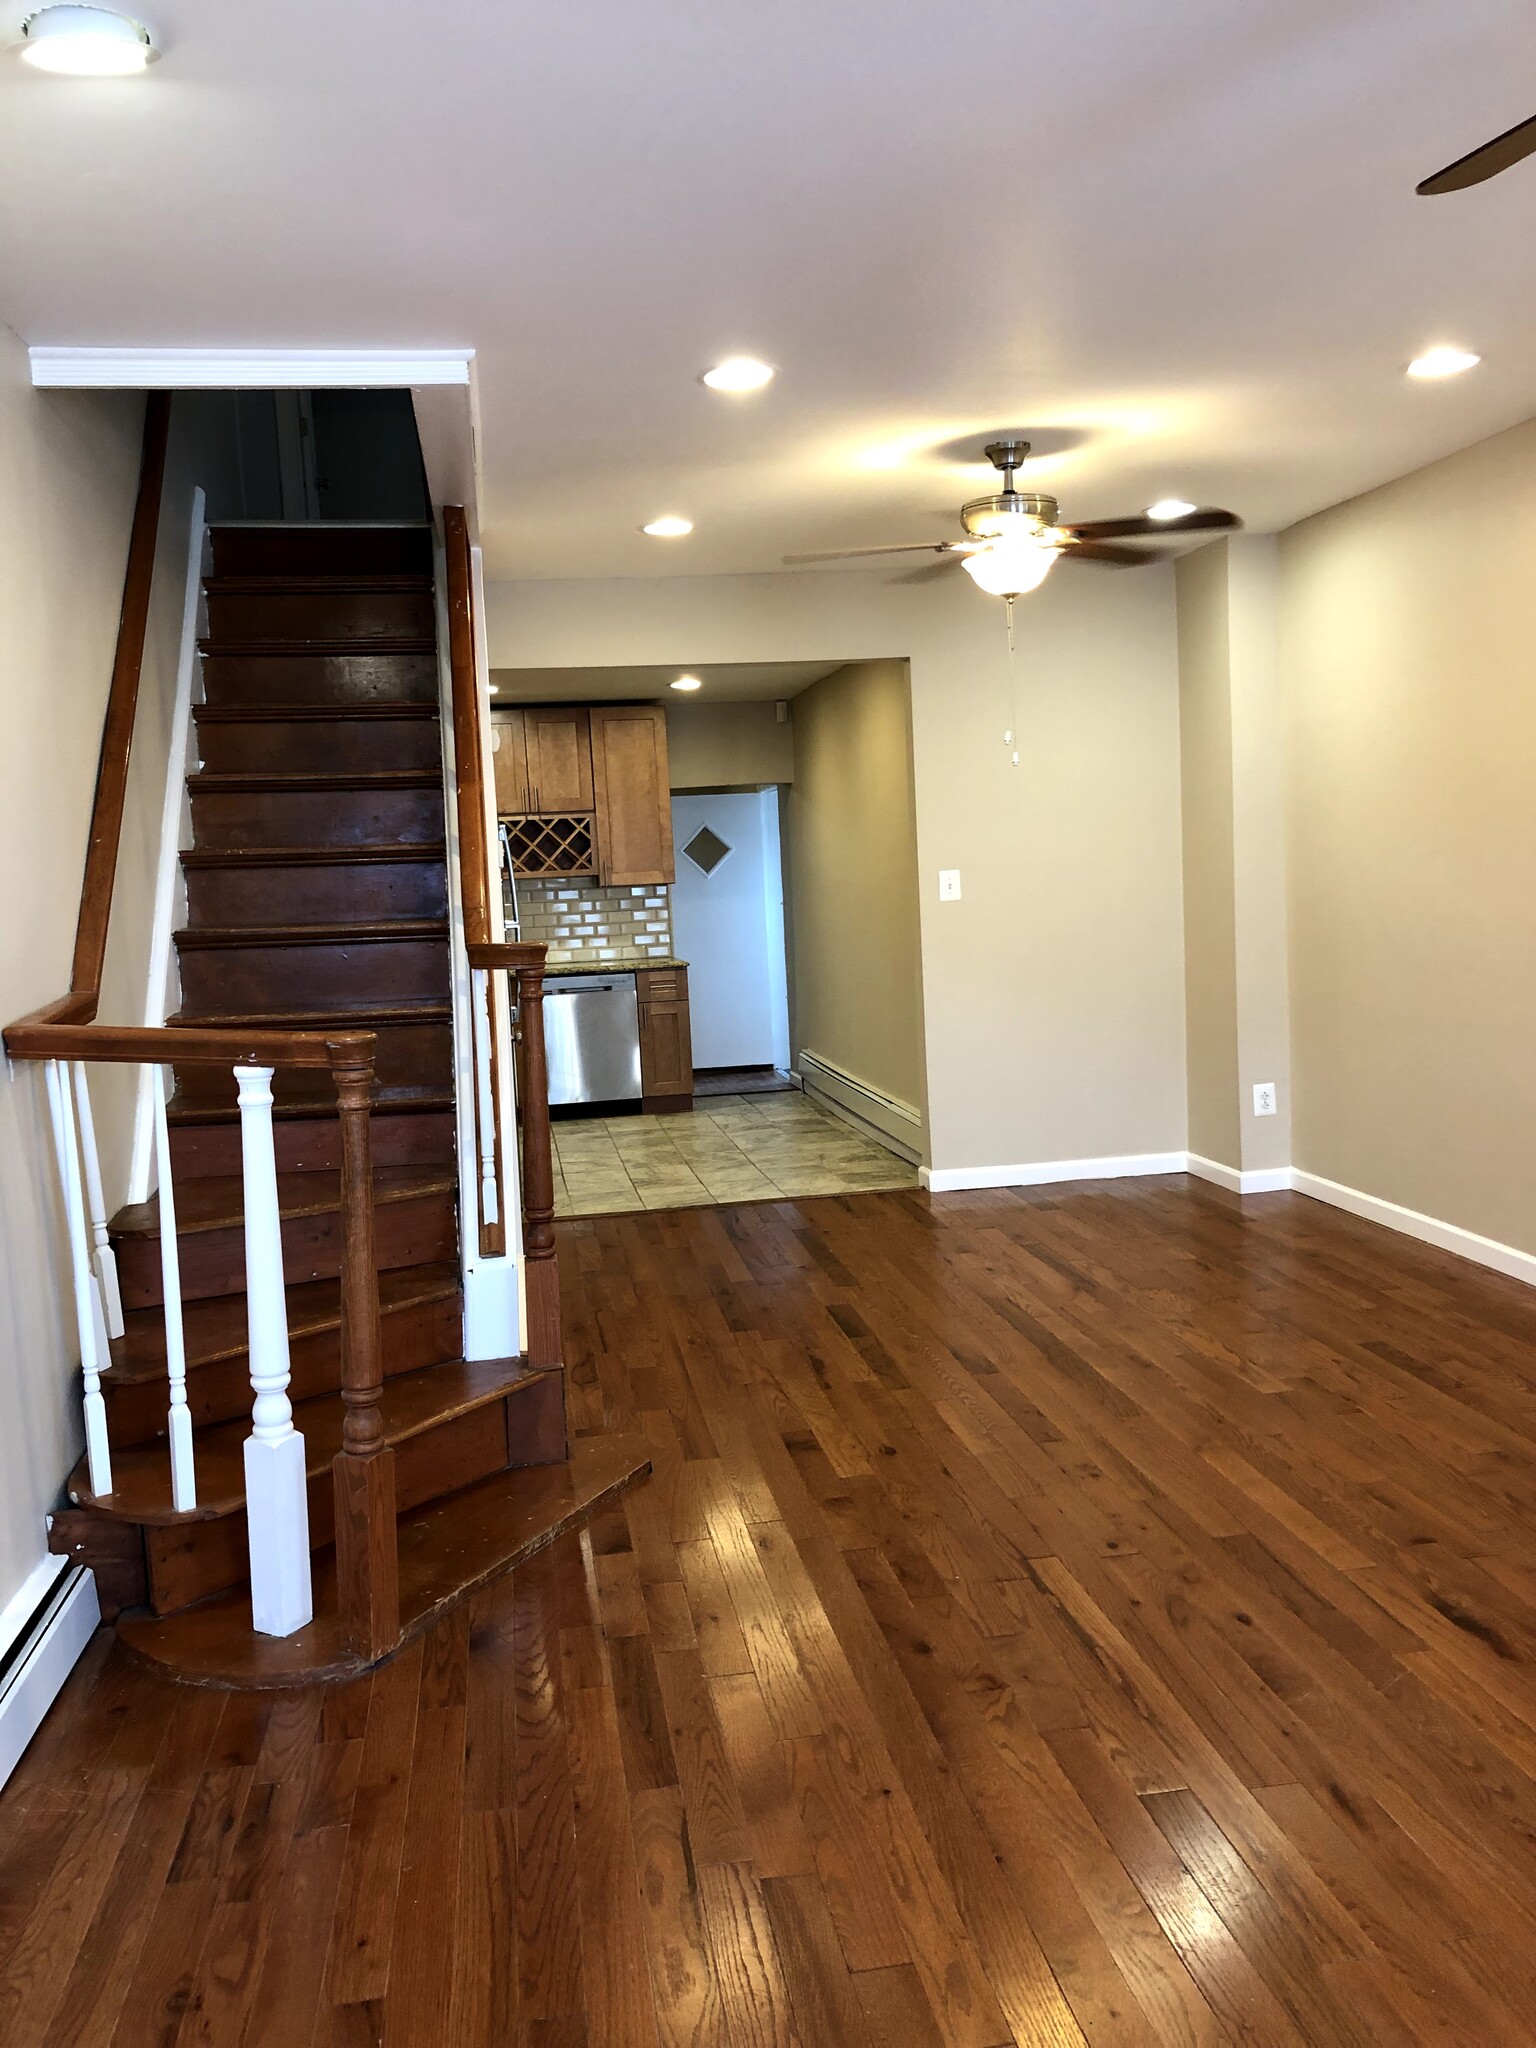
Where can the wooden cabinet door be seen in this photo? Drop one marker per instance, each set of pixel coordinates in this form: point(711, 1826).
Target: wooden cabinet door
point(559, 748)
point(666, 1050)
point(509, 764)
point(633, 791)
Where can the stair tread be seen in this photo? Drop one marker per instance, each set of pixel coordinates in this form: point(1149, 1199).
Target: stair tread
point(388, 709)
point(350, 643)
point(447, 1549)
point(411, 1404)
point(217, 1201)
point(193, 938)
point(363, 582)
point(398, 1100)
point(239, 857)
point(361, 1016)
point(215, 780)
point(216, 1329)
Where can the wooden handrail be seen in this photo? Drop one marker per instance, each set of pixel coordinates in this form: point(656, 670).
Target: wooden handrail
point(166, 1045)
point(468, 754)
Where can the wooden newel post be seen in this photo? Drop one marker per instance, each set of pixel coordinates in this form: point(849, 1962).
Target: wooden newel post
point(363, 1470)
point(543, 1280)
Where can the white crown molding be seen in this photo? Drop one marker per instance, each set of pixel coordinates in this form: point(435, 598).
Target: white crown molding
point(239, 369)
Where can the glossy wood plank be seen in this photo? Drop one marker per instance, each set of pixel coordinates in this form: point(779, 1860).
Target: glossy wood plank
point(1095, 1615)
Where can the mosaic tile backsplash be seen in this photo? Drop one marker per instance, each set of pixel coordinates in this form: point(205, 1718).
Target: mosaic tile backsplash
point(579, 921)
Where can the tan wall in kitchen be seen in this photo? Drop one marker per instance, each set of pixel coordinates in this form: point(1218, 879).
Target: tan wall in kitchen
point(1409, 633)
point(728, 746)
point(1053, 992)
point(851, 861)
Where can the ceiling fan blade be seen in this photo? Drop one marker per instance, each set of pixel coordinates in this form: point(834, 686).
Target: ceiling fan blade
point(1210, 520)
point(931, 571)
point(1487, 162)
point(916, 547)
point(1106, 551)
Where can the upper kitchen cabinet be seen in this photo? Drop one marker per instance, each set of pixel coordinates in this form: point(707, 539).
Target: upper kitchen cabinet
point(633, 793)
point(544, 761)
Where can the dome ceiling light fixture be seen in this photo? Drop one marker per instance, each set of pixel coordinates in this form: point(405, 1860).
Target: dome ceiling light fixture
point(1014, 539)
point(85, 42)
point(670, 526)
point(1443, 360)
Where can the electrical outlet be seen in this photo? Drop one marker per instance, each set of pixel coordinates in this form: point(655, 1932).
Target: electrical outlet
point(1264, 1098)
point(949, 885)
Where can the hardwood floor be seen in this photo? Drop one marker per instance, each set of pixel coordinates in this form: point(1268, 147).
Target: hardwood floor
point(1076, 1615)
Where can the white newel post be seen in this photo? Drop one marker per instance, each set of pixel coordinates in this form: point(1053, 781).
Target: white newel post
point(103, 1258)
point(179, 1416)
point(88, 1313)
point(277, 1506)
point(484, 1029)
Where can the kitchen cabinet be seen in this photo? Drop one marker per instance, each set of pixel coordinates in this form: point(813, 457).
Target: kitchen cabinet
point(633, 793)
point(666, 1044)
point(592, 785)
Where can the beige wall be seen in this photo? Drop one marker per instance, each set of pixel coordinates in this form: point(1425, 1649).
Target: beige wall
point(1053, 992)
point(68, 468)
point(851, 860)
point(1408, 647)
point(728, 746)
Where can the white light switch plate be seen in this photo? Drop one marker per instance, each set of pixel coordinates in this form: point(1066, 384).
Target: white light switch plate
point(949, 885)
point(1264, 1098)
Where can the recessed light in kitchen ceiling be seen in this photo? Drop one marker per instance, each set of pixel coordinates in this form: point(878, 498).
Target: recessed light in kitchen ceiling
point(1171, 508)
point(738, 373)
point(686, 683)
point(671, 526)
point(1443, 361)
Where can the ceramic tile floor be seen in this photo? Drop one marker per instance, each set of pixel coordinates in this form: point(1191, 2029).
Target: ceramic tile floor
point(730, 1148)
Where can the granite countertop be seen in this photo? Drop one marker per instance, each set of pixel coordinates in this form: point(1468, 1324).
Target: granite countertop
point(627, 964)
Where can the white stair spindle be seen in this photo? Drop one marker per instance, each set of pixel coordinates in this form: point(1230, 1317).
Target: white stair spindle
point(103, 1258)
point(88, 1317)
point(277, 1505)
point(484, 1038)
point(179, 1415)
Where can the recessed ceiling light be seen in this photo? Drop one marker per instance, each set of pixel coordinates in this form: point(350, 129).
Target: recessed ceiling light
point(1171, 508)
point(738, 373)
point(687, 683)
point(1443, 362)
point(85, 42)
point(669, 527)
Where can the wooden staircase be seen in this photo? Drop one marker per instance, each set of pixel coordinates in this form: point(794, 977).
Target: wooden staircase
point(317, 901)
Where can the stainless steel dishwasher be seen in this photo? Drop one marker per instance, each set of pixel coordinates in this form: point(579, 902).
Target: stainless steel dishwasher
point(592, 1038)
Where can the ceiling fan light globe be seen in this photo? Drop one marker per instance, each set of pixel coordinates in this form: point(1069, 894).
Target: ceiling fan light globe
point(1010, 569)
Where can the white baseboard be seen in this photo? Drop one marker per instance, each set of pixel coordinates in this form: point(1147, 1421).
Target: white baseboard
point(895, 1123)
point(1448, 1237)
point(940, 1180)
point(59, 1631)
point(1263, 1180)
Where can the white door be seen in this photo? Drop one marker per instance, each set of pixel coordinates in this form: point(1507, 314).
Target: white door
point(728, 924)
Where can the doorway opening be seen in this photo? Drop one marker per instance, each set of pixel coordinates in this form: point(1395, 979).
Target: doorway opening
point(725, 879)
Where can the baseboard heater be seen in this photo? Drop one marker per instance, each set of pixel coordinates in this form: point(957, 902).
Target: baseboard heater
point(894, 1122)
point(35, 1665)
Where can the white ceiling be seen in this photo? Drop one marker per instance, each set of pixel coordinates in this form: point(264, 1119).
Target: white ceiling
point(1179, 241)
point(724, 682)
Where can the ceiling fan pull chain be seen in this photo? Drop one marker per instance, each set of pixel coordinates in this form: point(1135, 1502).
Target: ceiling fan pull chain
point(1013, 692)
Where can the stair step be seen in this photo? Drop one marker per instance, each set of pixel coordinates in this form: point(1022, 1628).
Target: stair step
point(378, 931)
point(298, 582)
point(414, 1224)
point(373, 738)
point(379, 807)
point(265, 887)
point(359, 1017)
point(285, 648)
point(290, 549)
point(217, 1201)
point(420, 1322)
point(447, 1549)
point(321, 681)
point(410, 1126)
point(412, 1404)
point(211, 782)
point(250, 857)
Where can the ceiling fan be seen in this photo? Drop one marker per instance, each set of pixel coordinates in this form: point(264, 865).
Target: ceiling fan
point(1014, 539)
point(1480, 164)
